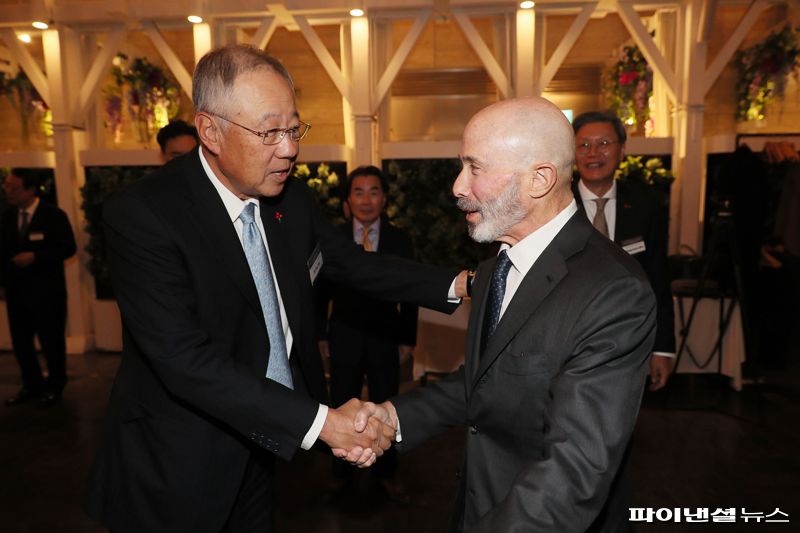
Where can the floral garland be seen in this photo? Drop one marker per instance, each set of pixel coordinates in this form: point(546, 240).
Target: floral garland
point(28, 103)
point(764, 69)
point(650, 172)
point(627, 85)
point(325, 188)
point(149, 94)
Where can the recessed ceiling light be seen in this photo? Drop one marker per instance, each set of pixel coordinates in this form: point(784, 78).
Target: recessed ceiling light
point(527, 4)
point(356, 12)
point(39, 25)
point(24, 37)
point(194, 19)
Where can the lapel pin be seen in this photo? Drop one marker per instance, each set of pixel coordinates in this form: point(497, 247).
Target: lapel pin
point(278, 216)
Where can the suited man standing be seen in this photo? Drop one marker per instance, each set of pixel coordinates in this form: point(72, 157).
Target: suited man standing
point(632, 216)
point(561, 326)
point(212, 259)
point(365, 336)
point(36, 240)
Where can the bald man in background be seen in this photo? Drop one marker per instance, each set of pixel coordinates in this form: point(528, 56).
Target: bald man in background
point(559, 336)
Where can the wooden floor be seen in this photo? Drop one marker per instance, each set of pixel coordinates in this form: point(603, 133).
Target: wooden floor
point(696, 445)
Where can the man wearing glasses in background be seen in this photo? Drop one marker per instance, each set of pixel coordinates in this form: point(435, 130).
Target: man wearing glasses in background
point(630, 214)
point(213, 258)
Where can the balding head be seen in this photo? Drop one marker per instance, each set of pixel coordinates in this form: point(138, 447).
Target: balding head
point(517, 157)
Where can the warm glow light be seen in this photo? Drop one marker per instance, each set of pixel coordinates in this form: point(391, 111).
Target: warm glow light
point(39, 25)
point(527, 4)
point(24, 37)
point(194, 19)
point(356, 12)
point(630, 122)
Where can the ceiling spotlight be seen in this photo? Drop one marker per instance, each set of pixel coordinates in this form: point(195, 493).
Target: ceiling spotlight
point(39, 25)
point(24, 37)
point(356, 12)
point(527, 4)
point(194, 19)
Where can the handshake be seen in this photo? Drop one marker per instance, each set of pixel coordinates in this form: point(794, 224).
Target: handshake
point(359, 432)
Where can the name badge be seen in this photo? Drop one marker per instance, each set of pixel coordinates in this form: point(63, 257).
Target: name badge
point(36, 236)
point(633, 246)
point(315, 263)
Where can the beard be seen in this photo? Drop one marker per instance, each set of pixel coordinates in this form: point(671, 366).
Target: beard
point(498, 215)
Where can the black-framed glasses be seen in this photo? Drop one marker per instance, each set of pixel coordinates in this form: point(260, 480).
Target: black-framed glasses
point(602, 146)
point(274, 135)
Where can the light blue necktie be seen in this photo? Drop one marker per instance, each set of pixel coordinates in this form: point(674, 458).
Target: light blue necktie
point(278, 366)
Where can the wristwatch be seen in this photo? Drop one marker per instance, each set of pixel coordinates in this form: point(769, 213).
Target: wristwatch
point(470, 279)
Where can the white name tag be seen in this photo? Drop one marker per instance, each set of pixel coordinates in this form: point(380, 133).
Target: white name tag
point(634, 246)
point(315, 264)
point(36, 236)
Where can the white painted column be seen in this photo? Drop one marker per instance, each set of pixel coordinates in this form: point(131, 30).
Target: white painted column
point(689, 152)
point(65, 84)
point(525, 59)
point(362, 152)
point(201, 34)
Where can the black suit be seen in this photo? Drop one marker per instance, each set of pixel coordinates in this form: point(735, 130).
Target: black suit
point(551, 401)
point(191, 410)
point(364, 334)
point(640, 216)
point(36, 295)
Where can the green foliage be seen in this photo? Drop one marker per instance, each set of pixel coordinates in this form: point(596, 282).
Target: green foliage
point(764, 69)
point(627, 86)
point(421, 202)
point(650, 172)
point(326, 188)
point(102, 182)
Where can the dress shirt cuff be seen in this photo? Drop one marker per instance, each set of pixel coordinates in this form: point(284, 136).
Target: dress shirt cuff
point(398, 436)
point(451, 294)
point(316, 428)
point(665, 354)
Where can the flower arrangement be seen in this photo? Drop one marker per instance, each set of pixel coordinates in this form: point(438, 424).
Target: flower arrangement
point(27, 102)
point(649, 172)
point(627, 85)
point(146, 91)
point(764, 69)
point(324, 184)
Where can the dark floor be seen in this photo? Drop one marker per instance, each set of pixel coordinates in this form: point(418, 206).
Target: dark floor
point(697, 445)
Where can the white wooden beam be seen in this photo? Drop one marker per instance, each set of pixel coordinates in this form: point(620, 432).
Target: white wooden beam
point(265, 32)
point(323, 55)
point(97, 73)
point(27, 63)
point(399, 57)
point(170, 58)
point(525, 40)
point(648, 47)
point(566, 44)
point(202, 38)
point(487, 59)
point(706, 20)
point(732, 44)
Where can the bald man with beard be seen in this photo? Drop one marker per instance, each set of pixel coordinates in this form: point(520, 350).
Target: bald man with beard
point(560, 333)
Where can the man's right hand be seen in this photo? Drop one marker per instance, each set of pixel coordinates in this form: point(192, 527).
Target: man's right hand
point(360, 444)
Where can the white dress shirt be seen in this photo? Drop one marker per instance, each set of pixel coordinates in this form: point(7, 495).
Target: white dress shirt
point(374, 234)
point(31, 209)
point(610, 211)
point(234, 205)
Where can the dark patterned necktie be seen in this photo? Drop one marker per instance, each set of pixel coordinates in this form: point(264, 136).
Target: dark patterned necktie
point(599, 221)
point(497, 290)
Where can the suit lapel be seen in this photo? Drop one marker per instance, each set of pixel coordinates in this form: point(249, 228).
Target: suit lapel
point(215, 225)
point(545, 274)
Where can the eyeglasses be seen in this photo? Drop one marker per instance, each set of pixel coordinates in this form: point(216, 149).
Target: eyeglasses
point(603, 146)
point(275, 135)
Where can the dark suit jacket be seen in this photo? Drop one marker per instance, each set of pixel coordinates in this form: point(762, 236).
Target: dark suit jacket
point(357, 312)
point(641, 216)
point(191, 403)
point(551, 402)
point(50, 238)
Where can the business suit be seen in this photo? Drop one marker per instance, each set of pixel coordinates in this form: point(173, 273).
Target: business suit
point(190, 409)
point(551, 401)
point(364, 334)
point(36, 295)
point(640, 217)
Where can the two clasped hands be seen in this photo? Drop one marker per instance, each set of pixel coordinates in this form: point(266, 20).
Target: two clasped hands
point(359, 432)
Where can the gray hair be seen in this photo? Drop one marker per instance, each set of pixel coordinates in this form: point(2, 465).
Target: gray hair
point(216, 73)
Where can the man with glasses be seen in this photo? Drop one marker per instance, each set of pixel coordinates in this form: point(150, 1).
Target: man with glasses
point(213, 259)
point(630, 214)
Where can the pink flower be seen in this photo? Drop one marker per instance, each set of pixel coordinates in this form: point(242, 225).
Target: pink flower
point(626, 78)
point(278, 216)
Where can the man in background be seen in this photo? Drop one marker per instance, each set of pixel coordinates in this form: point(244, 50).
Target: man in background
point(366, 336)
point(630, 214)
point(36, 240)
point(176, 138)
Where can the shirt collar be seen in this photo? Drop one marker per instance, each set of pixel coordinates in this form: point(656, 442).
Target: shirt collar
point(233, 204)
point(587, 195)
point(525, 253)
point(358, 227)
point(31, 209)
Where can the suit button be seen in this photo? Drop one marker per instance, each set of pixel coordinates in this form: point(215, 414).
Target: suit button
point(473, 429)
